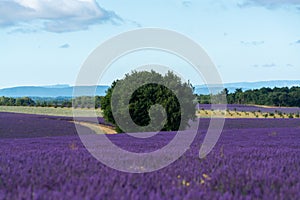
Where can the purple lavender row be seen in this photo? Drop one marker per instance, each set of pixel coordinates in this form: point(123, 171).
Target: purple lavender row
point(14, 125)
point(254, 159)
point(252, 108)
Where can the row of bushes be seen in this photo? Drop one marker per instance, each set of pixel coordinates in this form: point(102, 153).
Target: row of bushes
point(288, 97)
point(78, 102)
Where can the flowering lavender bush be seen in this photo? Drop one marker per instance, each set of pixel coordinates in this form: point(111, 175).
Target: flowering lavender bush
point(43, 158)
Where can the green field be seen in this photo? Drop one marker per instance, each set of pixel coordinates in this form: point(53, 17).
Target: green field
point(48, 110)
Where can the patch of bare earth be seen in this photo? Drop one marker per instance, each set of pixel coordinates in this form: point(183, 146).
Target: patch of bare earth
point(97, 128)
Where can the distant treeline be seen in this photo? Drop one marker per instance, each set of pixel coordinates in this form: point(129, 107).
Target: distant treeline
point(9, 101)
point(79, 102)
point(288, 97)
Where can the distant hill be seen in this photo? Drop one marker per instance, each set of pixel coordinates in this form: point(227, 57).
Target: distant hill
point(49, 91)
point(202, 89)
point(67, 91)
point(57, 86)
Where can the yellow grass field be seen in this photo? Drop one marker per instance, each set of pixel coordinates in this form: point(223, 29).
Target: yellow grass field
point(86, 112)
point(49, 110)
point(238, 114)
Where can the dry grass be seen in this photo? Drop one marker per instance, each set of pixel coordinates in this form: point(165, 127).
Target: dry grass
point(97, 128)
point(239, 114)
point(50, 111)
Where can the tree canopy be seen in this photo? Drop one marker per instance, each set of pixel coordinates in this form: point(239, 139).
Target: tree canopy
point(174, 97)
point(288, 97)
point(22, 101)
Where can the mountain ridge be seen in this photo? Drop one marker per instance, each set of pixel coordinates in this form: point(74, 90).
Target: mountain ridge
point(67, 90)
point(202, 89)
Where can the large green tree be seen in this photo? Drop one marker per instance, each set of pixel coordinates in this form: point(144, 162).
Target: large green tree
point(148, 89)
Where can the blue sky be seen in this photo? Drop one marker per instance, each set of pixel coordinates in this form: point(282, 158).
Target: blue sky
point(45, 42)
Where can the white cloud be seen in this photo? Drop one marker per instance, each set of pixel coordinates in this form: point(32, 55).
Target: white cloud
point(65, 46)
point(254, 43)
point(265, 65)
point(55, 15)
point(186, 3)
point(270, 3)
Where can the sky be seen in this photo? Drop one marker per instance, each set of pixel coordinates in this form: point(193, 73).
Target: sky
point(45, 42)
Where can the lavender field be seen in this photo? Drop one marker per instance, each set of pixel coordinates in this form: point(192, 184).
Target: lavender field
point(253, 108)
point(43, 158)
